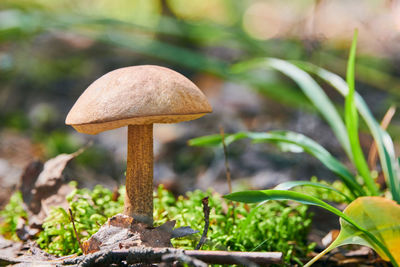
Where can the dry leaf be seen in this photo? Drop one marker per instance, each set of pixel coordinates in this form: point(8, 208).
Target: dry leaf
point(42, 187)
point(121, 231)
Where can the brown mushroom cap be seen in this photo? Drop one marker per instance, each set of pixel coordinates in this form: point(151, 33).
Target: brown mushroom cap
point(137, 95)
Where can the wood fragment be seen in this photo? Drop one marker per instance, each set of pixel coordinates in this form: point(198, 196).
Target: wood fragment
point(206, 211)
point(236, 257)
point(193, 257)
point(134, 256)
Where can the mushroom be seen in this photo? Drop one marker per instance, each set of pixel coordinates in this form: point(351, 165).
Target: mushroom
point(137, 97)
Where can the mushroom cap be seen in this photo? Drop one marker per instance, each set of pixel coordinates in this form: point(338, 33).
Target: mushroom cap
point(137, 95)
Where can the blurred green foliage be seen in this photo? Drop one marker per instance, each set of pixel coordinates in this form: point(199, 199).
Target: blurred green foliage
point(10, 215)
point(54, 49)
point(361, 183)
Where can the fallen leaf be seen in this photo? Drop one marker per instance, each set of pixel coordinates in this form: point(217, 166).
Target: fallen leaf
point(43, 186)
point(330, 237)
point(121, 231)
point(380, 217)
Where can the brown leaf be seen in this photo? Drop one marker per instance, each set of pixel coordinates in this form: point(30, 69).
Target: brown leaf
point(24, 232)
point(42, 187)
point(28, 179)
point(330, 237)
point(121, 231)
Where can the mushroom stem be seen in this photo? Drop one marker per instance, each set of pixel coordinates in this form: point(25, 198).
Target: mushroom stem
point(139, 173)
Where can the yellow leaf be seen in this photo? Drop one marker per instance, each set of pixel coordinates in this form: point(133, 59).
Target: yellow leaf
point(377, 215)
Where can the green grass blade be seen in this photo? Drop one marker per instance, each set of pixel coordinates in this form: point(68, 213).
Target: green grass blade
point(292, 138)
point(310, 88)
point(383, 140)
point(291, 184)
point(216, 139)
point(256, 196)
point(314, 149)
point(351, 119)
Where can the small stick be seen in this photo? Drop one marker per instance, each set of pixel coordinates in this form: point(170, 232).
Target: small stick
point(148, 255)
point(76, 233)
point(373, 151)
point(228, 171)
point(236, 257)
point(206, 210)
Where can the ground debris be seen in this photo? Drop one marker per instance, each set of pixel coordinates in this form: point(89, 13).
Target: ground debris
point(10, 248)
point(206, 211)
point(42, 187)
point(121, 231)
point(136, 255)
point(23, 254)
point(199, 258)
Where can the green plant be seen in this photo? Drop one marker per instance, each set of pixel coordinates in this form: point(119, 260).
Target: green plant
point(240, 227)
point(276, 226)
point(347, 134)
point(359, 223)
point(90, 208)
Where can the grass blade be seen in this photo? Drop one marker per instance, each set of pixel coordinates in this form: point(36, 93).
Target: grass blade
point(256, 196)
point(216, 139)
point(291, 184)
point(310, 88)
point(287, 137)
point(384, 143)
point(314, 149)
point(351, 119)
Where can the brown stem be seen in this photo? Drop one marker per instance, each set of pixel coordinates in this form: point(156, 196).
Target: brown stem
point(139, 173)
point(71, 216)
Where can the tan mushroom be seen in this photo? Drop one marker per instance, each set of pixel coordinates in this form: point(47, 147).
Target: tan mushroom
point(137, 97)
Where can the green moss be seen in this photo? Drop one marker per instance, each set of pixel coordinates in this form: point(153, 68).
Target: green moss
point(273, 226)
point(10, 216)
point(90, 208)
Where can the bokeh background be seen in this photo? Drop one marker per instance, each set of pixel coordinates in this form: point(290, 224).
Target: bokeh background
point(51, 50)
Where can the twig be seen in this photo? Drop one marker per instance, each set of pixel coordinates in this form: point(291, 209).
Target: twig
point(76, 233)
point(373, 151)
point(228, 171)
point(236, 257)
point(196, 258)
point(206, 211)
point(182, 257)
point(134, 255)
point(9, 261)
